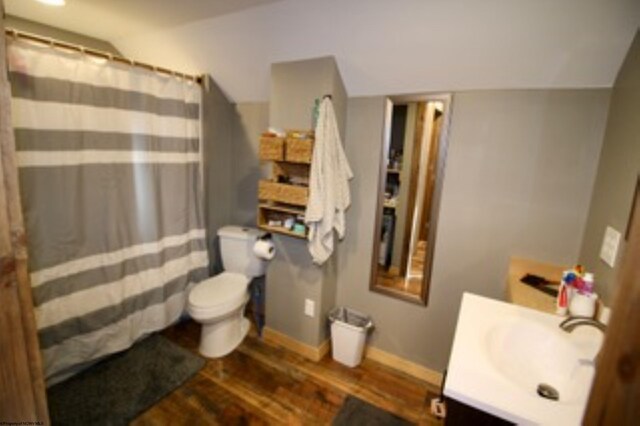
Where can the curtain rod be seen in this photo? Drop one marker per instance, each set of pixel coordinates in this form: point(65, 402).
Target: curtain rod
point(99, 53)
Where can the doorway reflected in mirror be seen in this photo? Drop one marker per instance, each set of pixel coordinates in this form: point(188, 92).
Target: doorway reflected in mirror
point(411, 171)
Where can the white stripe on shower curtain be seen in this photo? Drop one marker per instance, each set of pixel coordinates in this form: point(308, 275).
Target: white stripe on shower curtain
point(60, 357)
point(74, 158)
point(109, 160)
point(110, 293)
point(113, 258)
point(59, 116)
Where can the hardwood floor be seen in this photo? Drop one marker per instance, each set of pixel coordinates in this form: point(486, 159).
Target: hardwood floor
point(392, 279)
point(264, 384)
point(417, 259)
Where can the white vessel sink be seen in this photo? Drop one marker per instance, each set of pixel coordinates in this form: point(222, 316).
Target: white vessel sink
point(503, 352)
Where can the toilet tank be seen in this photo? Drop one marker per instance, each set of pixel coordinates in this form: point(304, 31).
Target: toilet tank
point(236, 248)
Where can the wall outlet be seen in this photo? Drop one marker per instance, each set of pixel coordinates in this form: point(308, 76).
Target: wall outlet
point(610, 244)
point(309, 308)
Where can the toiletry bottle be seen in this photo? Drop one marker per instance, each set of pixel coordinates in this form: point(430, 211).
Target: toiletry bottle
point(583, 305)
point(589, 282)
point(583, 302)
point(562, 300)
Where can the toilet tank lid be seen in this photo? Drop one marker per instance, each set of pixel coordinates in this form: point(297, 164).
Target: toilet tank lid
point(239, 232)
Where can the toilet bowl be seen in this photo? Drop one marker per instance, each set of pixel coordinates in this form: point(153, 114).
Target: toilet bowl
point(218, 303)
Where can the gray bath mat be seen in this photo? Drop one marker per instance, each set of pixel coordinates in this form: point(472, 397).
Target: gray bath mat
point(116, 390)
point(356, 412)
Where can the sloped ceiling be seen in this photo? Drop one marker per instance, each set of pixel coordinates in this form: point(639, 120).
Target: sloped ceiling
point(382, 46)
point(109, 19)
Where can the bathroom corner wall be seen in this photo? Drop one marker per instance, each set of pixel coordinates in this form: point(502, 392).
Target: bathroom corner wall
point(217, 116)
point(291, 276)
point(249, 121)
point(294, 87)
point(617, 172)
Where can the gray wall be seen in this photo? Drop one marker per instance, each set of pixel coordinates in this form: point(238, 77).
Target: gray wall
point(217, 115)
point(291, 276)
point(518, 181)
point(58, 34)
point(294, 87)
point(617, 172)
point(249, 121)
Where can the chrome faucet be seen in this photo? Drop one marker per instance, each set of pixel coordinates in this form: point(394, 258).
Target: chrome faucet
point(571, 323)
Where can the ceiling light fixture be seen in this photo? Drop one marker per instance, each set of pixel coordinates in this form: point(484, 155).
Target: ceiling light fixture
point(52, 2)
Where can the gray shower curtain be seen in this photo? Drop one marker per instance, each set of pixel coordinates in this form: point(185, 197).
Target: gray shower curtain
point(110, 177)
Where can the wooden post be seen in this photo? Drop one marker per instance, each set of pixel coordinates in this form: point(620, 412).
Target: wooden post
point(615, 396)
point(22, 388)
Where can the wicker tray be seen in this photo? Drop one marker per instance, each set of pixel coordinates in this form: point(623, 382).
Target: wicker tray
point(283, 193)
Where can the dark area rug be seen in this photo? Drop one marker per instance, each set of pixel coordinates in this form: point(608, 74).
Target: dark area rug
point(356, 412)
point(116, 390)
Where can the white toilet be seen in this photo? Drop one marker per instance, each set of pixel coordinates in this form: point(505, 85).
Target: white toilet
point(218, 303)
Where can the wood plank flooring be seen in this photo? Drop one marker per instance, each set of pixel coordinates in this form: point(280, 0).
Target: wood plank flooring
point(260, 383)
point(391, 278)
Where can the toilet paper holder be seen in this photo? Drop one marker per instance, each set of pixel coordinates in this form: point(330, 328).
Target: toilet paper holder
point(265, 236)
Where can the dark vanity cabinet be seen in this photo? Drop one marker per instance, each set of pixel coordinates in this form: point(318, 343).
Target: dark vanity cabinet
point(459, 414)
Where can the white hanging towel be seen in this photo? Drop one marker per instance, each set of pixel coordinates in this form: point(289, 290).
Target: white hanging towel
point(328, 186)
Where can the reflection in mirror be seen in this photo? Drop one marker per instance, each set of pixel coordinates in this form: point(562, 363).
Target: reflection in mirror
point(411, 175)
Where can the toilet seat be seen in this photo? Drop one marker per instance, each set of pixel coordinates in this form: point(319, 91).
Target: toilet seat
point(218, 295)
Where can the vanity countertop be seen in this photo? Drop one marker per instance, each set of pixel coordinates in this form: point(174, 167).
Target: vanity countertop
point(524, 295)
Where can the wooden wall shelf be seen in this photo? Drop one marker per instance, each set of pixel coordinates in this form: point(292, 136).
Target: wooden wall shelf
point(284, 196)
point(285, 211)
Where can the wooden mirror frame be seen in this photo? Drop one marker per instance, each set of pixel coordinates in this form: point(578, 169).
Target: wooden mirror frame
point(443, 143)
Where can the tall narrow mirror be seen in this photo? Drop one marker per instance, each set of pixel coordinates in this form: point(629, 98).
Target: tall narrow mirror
point(411, 172)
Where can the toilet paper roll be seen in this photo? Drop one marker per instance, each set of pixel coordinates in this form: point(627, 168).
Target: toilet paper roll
point(264, 249)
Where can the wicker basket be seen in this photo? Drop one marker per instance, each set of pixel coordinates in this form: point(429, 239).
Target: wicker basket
point(283, 193)
point(271, 148)
point(299, 150)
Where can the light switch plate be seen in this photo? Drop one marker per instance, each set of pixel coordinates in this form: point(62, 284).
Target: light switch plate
point(309, 308)
point(610, 244)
